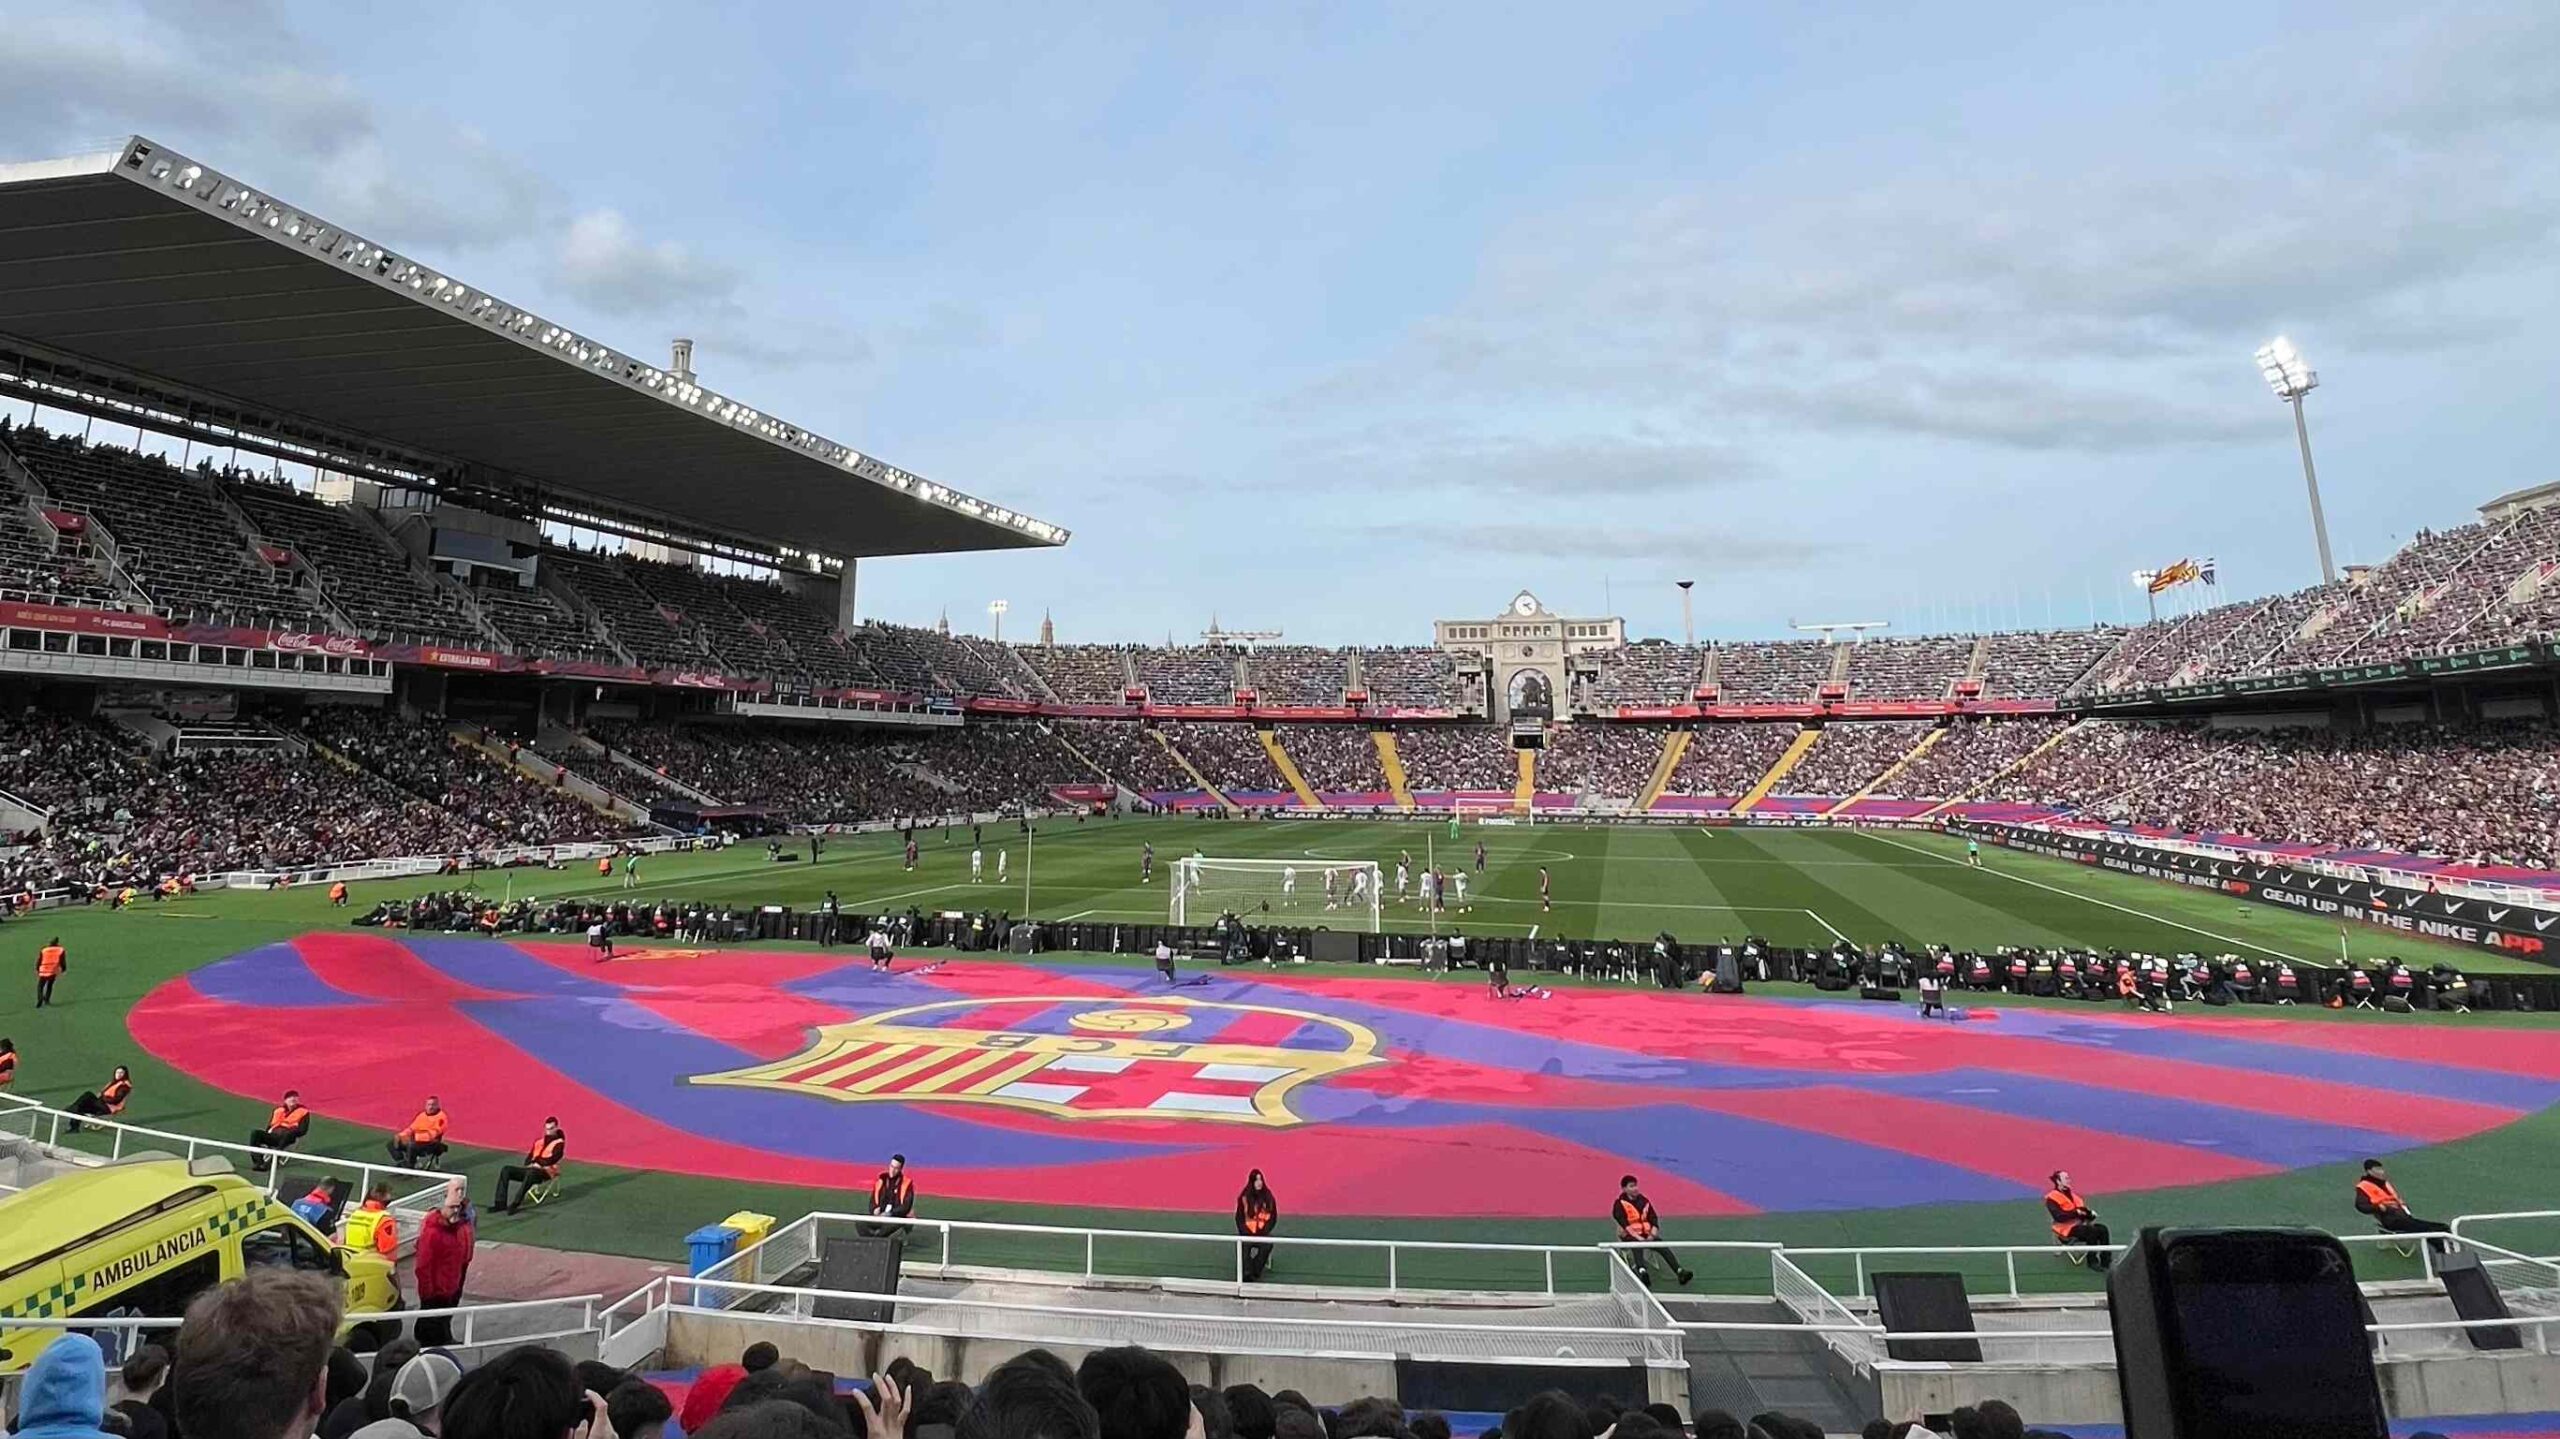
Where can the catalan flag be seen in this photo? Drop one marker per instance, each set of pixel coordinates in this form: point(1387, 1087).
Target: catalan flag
point(2171, 576)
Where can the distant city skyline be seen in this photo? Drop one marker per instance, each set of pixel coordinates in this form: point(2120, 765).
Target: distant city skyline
point(1338, 321)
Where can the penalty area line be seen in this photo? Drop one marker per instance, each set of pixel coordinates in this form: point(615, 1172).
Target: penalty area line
point(2087, 899)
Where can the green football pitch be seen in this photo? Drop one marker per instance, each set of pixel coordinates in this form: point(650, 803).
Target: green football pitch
point(1794, 887)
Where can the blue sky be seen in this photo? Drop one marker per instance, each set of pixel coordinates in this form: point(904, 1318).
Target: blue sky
point(1336, 320)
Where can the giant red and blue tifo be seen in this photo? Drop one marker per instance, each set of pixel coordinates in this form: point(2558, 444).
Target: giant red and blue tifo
point(1029, 1082)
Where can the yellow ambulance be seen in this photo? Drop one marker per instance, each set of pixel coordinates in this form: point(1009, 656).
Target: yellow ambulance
point(138, 1239)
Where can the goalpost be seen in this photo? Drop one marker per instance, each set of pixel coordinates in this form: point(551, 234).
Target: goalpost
point(1487, 809)
point(1340, 893)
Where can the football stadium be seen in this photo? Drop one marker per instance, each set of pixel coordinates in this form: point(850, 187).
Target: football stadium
point(487, 898)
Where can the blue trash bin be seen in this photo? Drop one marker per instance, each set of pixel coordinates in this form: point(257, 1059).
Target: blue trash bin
point(708, 1246)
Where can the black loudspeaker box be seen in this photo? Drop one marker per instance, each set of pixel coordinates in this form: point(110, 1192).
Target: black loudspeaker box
point(2242, 1334)
point(1927, 1303)
point(859, 1267)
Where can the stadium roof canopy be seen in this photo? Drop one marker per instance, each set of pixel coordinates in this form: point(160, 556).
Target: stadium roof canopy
point(161, 268)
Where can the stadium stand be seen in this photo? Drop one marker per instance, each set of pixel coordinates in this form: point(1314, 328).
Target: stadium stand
point(421, 757)
point(634, 619)
point(1851, 754)
point(1456, 757)
point(1127, 751)
point(1188, 674)
point(1230, 754)
point(1924, 667)
point(845, 774)
point(1651, 674)
point(1080, 674)
point(365, 578)
point(1334, 758)
point(1728, 759)
point(1408, 675)
point(1970, 752)
point(2044, 664)
point(539, 623)
point(1297, 675)
point(1780, 672)
point(178, 540)
point(1593, 757)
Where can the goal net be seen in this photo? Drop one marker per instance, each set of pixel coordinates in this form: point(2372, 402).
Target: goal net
point(1488, 809)
point(1339, 893)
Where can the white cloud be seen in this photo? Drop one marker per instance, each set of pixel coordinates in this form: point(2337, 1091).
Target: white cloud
point(604, 261)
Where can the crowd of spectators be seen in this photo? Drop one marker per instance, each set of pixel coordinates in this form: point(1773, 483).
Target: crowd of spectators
point(655, 636)
point(2486, 793)
point(261, 1357)
point(420, 756)
point(1651, 674)
point(541, 624)
point(1341, 758)
point(1229, 752)
point(1129, 752)
point(1408, 675)
point(1297, 675)
point(1850, 754)
point(846, 774)
point(1187, 674)
point(1595, 757)
point(1780, 672)
point(1970, 753)
point(1729, 759)
point(369, 582)
point(1917, 667)
point(1081, 674)
point(2041, 664)
point(1457, 756)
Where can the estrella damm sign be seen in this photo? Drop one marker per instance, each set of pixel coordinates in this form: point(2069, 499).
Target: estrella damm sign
point(1116, 1058)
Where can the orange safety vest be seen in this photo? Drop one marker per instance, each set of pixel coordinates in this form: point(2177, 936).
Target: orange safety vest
point(338, 891)
point(604, 866)
point(49, 961)
point(284, 1118)
point(425, 1129)
point(1258, 1213)
point(8, 1068)
point(546, 1154)
point(2066, 1203)
point(890, 1194)
point(374, 1227)
point(2379, 1194)
point(1633, 1222)
point(115, 1094)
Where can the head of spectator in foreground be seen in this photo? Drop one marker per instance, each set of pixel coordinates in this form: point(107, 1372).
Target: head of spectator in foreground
point(1293, 1422)
point(1030, 1396)
point(253, 1356)
point(420, 1389)
point(66, 1391)
point(1717, 1424)
point(2000, 1420)
point(1373, 1418)
point(638, 1409)
point(1135, 1394)
point(525, 1393)
point(145, 1372)
point(1216, 1420)
point(759, 1355)
point(1250, 1411)
point(1429, 1426)
point(1551, 1414)
point(772, 1419)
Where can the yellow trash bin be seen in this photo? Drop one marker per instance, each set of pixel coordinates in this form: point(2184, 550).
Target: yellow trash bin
point(752, 1229)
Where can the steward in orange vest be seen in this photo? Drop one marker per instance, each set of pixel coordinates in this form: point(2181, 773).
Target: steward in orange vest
point(422, 1137)
point(542, 1160)
point(1639, 1225)
point(285, 1128)
point(2074, 1222)
point(104, 1103)
point(1257, 1212)
point(51, 961)
point(2376, 1198)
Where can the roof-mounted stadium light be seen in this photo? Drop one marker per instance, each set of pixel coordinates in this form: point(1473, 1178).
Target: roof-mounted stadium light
point(995, 611)
point(2291, 377)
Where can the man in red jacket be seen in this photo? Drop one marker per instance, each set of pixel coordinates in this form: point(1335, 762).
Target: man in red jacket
point(442, 1260)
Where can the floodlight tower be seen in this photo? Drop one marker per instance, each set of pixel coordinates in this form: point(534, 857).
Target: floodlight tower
point(1688, 626)
point(2291, 377)
point(995, 612)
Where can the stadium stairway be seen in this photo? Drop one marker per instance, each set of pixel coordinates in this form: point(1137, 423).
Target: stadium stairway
point(2012, 767)
point(549, 773)
point(1675, 746)
point(1927, 742)
point(1215, 794)
point(1288, 767)
point(1391, 765)
point(1753, 1372)
point(1524, 790)
point(1794, 756)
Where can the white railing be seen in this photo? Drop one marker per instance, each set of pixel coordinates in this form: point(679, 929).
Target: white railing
point(2546, 1216)
point(1499, 1336)
point(2008, 1255)
point(416, 1190)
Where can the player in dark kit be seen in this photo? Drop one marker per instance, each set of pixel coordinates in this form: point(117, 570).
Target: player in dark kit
point(1479, 856)
point(911, 849)
point(1546, 890)
point(1146, 863)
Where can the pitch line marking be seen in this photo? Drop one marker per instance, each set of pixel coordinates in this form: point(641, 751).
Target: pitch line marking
point(2088, 899)
point(1826, 924)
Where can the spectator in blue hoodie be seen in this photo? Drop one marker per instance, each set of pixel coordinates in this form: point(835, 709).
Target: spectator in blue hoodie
point(66, 1392)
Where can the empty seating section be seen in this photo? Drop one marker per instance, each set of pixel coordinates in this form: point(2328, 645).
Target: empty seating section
point(768, 612)
point(1457, 756)
point(1080, 674)
point(637, 624)
point(1649, 674)
point(1127, 751)
point(1970, 753)
point(1920, 667)
point(178, 542)
point(703, 605)
point(1229, 753)
point(1188, 674)
point(41, 567)
point(2043, 664)
point(364, 577)
point(1297, 675)
point(1337, 758)
point(1612, 761)
point(1852, 753)
point(1781, 672)
point(541, 624)
point(1408, 675)
point(1728, 759)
